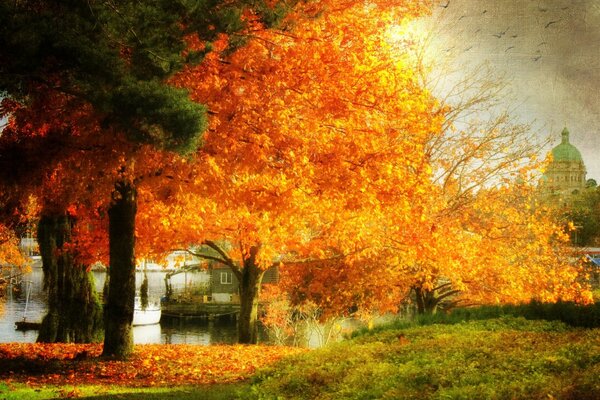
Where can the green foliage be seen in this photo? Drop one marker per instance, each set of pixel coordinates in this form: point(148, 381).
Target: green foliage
point(144, 292)
point(151, 112)
point(507, 358)
point(587, 316)
point(584, 213)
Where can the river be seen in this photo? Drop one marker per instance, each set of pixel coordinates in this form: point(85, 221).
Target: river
point(172, 331)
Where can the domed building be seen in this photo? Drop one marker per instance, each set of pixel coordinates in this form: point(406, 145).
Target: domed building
point(566, 172)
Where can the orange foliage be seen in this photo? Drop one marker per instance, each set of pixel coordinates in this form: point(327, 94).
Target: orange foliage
point(303, 152)
point(316, 154)
point(341, 288)
point(150, 365)
point(69, 163)
point(519, 252)
point(500, 246)
point(10, 253)
point(297, 144)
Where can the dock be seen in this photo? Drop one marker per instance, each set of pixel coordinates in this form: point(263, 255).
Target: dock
point(27, 325)
point(208, 310)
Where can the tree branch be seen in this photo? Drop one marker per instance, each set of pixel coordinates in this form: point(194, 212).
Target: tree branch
point(447, 294)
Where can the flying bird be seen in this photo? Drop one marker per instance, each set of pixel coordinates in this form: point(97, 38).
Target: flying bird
point(468, 48)
point(508, 48)
point(500, 34)
point(551, 22)
point(536, 58)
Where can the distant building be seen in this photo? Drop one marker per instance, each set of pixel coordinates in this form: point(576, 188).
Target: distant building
point(566, 172)
point(225, 285)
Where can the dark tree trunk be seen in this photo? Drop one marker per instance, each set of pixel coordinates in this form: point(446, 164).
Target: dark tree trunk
point(74, 311)
point(118, 335)
point(251, 277)
point(426, 300)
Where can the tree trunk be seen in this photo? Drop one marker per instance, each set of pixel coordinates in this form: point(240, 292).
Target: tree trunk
point(419, 300)
point(144, 291)
point(426, 300)
point(118, 335)
point(74, 311)
point(251, 277)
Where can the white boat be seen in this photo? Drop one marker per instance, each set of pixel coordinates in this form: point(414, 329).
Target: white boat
point(146, 316)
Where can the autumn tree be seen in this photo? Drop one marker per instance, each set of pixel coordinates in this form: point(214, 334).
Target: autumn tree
point(303, 153)
point(40, 161)
point(107, 59)
point(482, 146)
point(10, 257)
point(12, 217)
point(10, 254)
point(459, 244)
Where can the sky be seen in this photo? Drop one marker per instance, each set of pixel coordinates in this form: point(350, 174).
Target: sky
point(547, 51)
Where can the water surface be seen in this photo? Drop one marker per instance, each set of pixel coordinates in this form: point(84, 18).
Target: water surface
point(173, 331)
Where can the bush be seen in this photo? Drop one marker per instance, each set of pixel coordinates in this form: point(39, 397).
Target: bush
point(573, 314)
point(587, 316)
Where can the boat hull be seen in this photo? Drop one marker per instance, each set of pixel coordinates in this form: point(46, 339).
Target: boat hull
point(149, 316)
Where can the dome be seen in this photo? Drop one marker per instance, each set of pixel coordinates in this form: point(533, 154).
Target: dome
point(565, 151)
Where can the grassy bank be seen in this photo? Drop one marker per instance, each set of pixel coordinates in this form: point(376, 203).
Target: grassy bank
point(506, 358)
point(204, 392)
point(501, 358)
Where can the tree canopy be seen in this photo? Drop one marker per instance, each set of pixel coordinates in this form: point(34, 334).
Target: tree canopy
point(116, 56)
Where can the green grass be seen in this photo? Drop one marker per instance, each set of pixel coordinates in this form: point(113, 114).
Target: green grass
point(506, 358)
point(213, 392)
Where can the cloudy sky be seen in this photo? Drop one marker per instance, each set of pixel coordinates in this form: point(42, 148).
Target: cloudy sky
point(547, 50)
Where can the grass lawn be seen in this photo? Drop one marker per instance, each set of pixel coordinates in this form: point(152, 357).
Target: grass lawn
point(501, 358)
point(504, 358)
point(205, 392)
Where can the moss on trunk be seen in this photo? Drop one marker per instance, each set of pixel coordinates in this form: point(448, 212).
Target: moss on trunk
point(74, 310)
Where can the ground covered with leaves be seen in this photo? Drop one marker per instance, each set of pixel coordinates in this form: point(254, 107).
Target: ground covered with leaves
point(151, 365)
point(499, 358)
